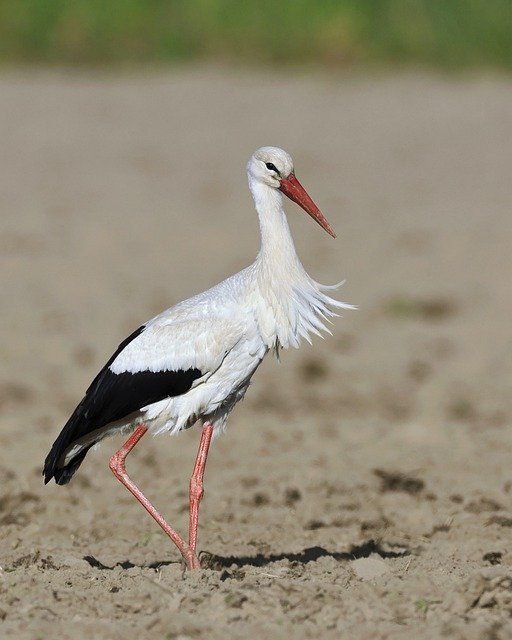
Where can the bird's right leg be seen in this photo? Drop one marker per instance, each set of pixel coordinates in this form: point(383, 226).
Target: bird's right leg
point(196, 483)
point(117, 465)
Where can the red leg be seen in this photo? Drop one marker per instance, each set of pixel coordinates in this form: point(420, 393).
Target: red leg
point(196, 484)
point(118, 466)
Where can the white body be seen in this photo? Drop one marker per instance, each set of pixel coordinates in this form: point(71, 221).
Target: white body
point(226, 331)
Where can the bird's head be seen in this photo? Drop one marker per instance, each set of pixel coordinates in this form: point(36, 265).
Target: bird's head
point(273, 167)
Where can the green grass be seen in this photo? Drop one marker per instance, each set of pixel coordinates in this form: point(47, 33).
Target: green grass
point(424, 604)
point(339, 33)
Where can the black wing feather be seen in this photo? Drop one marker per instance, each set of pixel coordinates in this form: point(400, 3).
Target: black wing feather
point(111, 397)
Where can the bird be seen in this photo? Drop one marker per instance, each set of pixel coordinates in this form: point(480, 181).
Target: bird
point(194, 362)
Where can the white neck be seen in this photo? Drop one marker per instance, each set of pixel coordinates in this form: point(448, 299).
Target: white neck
point(289, 304)
point(276, 240)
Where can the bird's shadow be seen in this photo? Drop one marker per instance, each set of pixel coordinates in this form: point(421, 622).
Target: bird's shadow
point(126, 564)
point(216, 562)
point(303, 557)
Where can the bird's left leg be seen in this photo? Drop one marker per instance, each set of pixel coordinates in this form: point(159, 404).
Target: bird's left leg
point(196, 483)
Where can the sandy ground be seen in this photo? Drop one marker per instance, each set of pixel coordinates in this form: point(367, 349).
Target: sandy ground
point(364, 487)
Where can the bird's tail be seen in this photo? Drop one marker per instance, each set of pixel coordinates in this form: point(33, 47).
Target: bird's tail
point(64, 474)
point(60, 466)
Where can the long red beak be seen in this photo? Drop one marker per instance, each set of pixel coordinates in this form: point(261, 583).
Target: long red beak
point(292, 188)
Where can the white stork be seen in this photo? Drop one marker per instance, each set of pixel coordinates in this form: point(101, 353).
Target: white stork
point(194, 361)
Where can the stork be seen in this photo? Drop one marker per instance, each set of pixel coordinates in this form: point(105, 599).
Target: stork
point(194, 361)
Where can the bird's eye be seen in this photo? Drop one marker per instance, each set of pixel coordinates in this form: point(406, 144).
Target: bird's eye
point(272, 167)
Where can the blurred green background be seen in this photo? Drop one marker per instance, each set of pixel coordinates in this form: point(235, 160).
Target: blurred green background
point(446, 34)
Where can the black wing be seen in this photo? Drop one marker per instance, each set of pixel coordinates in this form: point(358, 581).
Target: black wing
point(111, 397)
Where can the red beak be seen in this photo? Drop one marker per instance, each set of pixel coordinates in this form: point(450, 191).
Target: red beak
point(292, 188)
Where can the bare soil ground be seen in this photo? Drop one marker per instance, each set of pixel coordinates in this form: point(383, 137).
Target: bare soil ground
point(364, 487)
